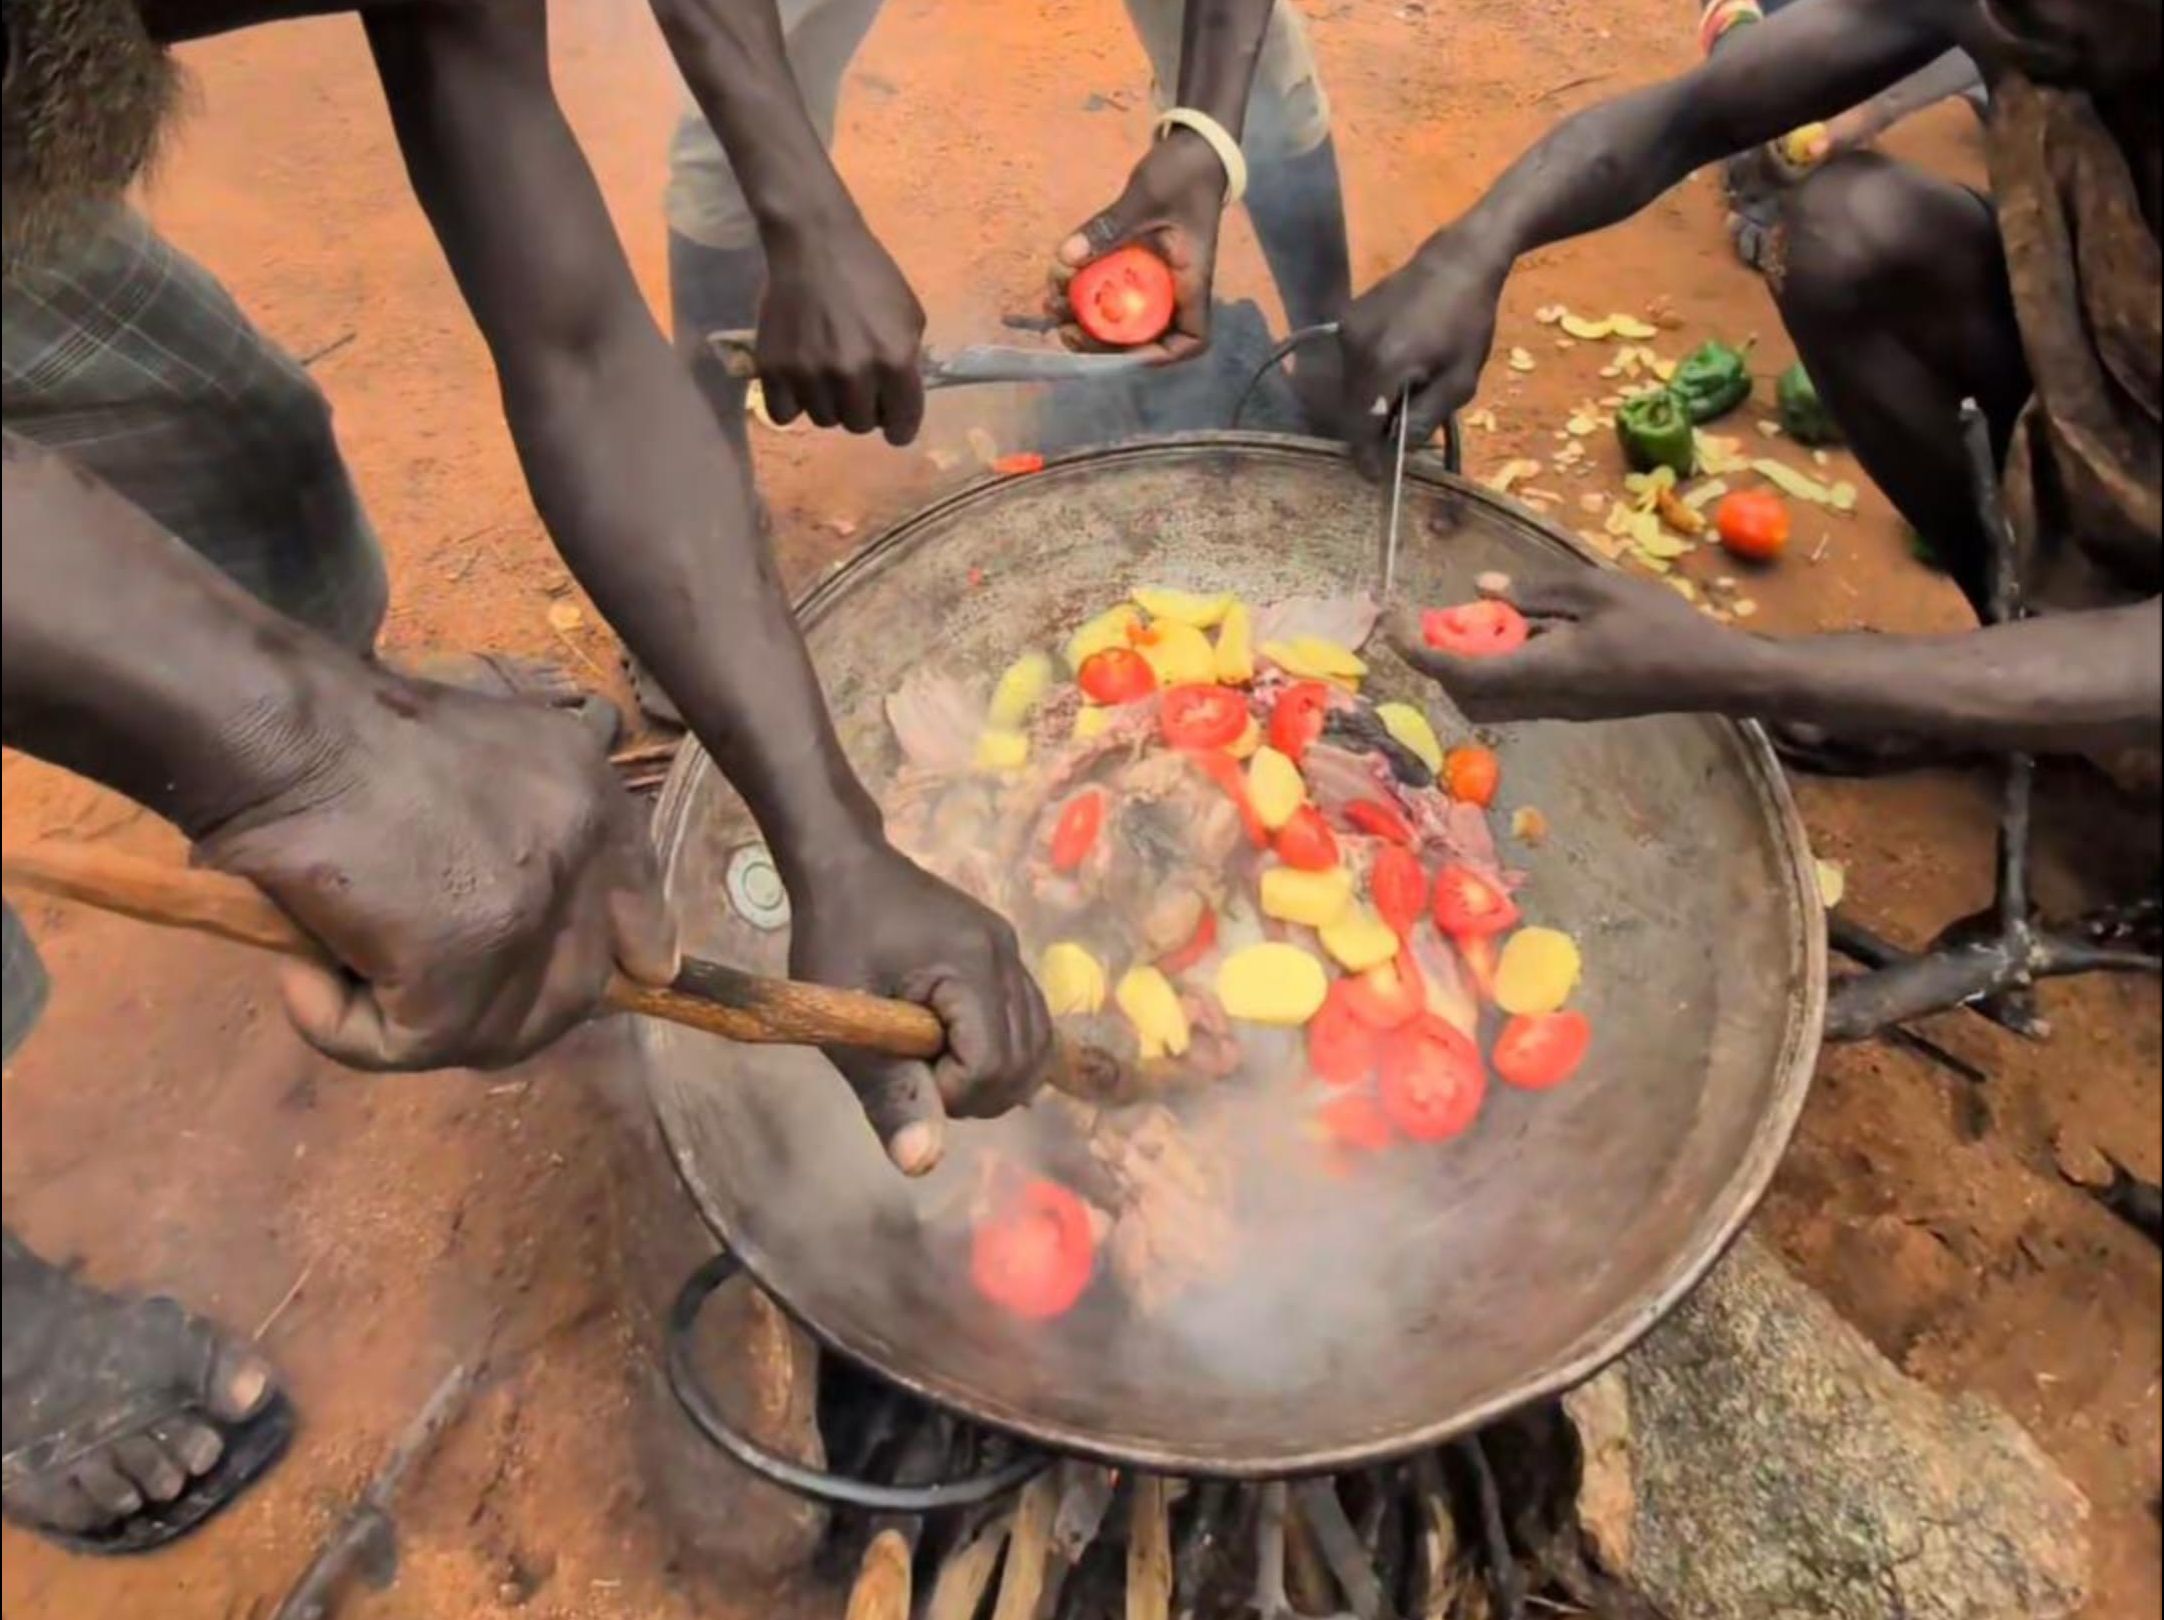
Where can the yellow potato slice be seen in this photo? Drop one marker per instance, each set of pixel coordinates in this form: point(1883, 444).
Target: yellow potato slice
point(999, 750)
point(1091, 721)
point(1312, 899)
point(1184, 607)
point(1236, 647)
point(1250, 739)
point(1151, 1004)
point(1274, 786)
point(1073, 981)
point(1360, 940)
point(1018, 691)
point(1272, 984)
point(1179, 653)
point(1412, 728)
point(1108, 629)
point(1539, 970)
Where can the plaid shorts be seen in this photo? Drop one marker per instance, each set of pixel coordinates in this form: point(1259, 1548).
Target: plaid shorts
point(128, 357)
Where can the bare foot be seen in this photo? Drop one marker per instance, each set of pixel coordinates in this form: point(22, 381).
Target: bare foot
point(127, 1421)
point(532, 680)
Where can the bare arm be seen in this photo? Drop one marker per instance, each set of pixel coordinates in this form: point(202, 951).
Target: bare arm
point(1608, 646)
point(651, 508)
point(1175, 197)
point(840, 329)
point(1430, 326)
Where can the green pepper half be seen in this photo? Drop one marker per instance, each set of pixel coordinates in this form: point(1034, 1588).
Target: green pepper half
point(1656, 431)
point(1804, 416)
point(1713, 380)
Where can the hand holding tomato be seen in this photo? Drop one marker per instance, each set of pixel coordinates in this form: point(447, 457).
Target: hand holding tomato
point(1603, 646)
point(1172, 207)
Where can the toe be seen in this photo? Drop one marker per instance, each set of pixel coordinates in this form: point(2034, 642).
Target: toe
point(58, 1503)
point(150, 1468)
point(241, 1384)
point(110, 1491)
point(195, 1446)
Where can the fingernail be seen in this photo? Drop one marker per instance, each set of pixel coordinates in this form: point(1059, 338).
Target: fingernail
point(244, 1391)
point(1075, 249)
point(915, 1148)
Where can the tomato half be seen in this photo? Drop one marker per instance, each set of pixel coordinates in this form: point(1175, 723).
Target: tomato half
point(1398, 884)
point(1379, 820)
point(1074, 834)
point(1340, 1048)
point(1306, 843)
point(1124, 298)
point(1472, 905)
point(1297, 719)
point(1199, 944)
point(1116, 675)
point(1753, 524)
point(1541, 1050)
point(1482, 629)
point(1035, 1255)
point(1473, 773)
point(1225, 771)
point(1202, 717)
point(1387, 997)
point(1432, 1080)
point(1355, 1120)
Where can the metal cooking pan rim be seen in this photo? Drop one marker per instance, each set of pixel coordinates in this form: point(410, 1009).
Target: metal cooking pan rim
point(1602, 1345)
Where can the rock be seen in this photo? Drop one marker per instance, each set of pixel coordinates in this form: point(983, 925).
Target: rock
point(1780, 1468)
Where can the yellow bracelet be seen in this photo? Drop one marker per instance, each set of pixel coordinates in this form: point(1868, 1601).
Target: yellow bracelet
point(1220, 141)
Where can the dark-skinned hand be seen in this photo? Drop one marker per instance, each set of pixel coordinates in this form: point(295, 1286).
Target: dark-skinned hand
point(841, 335)
point(874, 920)
point(1605, 646)
point(1428, 326)
point(1173, 204)
point(472, 866)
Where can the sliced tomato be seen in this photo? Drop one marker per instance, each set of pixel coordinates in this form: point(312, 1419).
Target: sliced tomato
point(1225, 771)
point(1116, 675)
point(1379, 820)
point(1483, 629)
point(1540, 1050)
point(1355, 1120)
point(1473, 774)
point(1472, 905)
point(1018, 463)
point(1306, 842)
point(1035, 1254)
point(1202, 717)
point(1074, 834)
point(1124, 298)
point(1199, 944)
point(1388, 997)
point(1432, 1080)
point(1340, 1048)
point(1297, 719)
point(1398, 884)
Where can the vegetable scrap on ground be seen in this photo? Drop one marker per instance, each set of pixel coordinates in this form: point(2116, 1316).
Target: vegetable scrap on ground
point(1233, 869)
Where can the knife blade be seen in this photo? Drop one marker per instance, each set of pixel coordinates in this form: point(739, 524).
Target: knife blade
point(1394, 500)
point(976, 363)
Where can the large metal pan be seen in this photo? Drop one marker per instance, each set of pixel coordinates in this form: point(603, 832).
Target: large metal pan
point(1545, 1242)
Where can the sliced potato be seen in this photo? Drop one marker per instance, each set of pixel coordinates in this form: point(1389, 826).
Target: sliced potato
point(1272, 984)
point(1184, 607)
point(1090, 721)
point(1311, 899)
point(1360, 940)
point(1274, 786)
point(1000, 750)
point(1108, 629)
point(1073, 980)
point(1019, 691)
point(1236, 647)
point(1179, 653)
point(1314, 659)
point(1413, 729)
point(1250, 739)
point(1151, 1004)
point(1538, 971)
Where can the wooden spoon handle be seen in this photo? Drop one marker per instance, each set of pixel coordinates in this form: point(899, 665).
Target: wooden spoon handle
point(706, 996)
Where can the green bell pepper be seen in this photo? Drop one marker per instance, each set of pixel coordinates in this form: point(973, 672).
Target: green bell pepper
point(1804, 416)
point(1713, 380)
point(1656, 431)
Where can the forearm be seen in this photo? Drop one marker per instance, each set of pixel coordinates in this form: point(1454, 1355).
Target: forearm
point(130, 660)
point(1601, 166)
point(642, 493)
point(1220, 43)
point(2059, 683)
point(734, 56)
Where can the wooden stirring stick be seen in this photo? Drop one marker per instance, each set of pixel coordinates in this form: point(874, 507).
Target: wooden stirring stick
point(706, 996)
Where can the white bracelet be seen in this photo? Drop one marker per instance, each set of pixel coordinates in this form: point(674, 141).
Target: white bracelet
point(1219, 140)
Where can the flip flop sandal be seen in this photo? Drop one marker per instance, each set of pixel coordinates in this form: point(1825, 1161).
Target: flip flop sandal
point(1816, 752)
point(252, 1446)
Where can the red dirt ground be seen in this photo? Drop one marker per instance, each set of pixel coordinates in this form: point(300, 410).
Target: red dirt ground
point(166, 1127)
